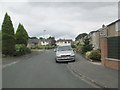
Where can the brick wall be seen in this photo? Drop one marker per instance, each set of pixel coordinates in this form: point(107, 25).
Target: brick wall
point(107, 62)
point(103, 45)
point(112, 64)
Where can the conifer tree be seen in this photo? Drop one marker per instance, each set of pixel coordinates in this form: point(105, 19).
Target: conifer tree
point(8, 40)
point(21, 35)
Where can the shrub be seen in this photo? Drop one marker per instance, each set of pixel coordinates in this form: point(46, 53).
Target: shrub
point(49, 47)
point(86, 48)
point(40, 47)
point(88, 53)
point(21, 49)
point(28, 50)
point(44, 47)
point(79, 47)
point(94, 55)
point(73, 46)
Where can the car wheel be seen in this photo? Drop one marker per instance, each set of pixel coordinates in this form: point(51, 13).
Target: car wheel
point(74, 60)
point(56, 61)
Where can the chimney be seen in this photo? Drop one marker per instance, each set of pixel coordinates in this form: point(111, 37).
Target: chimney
point(103, 26)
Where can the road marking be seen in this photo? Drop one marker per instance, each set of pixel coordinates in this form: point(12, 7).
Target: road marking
point(4, 66)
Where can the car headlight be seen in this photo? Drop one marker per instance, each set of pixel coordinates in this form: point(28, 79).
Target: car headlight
point(58, 55)
point(73, 55)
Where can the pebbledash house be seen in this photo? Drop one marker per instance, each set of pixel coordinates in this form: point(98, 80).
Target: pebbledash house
point(110, 45)
point(61, 42)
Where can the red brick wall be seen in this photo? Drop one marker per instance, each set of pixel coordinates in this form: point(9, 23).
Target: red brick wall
point(105, 61)
point(112, 64)
point(103, 45)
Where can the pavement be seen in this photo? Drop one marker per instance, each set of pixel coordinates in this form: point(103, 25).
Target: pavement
point(94, 72)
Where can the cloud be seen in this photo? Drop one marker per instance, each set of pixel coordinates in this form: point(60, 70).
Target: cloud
point(59, 19)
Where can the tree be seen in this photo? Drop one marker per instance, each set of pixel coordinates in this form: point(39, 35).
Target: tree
point(87, 46)
point(41, 38)
point(21, 35)
point(80, 36)
point(33, 38)
point(8, 40)
point(52, 40)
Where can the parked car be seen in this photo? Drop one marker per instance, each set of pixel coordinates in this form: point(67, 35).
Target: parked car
point(64, 54)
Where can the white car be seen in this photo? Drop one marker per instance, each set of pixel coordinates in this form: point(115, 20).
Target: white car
point(64, 53)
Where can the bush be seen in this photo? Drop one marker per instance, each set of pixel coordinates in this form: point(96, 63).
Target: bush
point(21, 49)
point(44, 47)
point(88, 54)
point(86, 48)
point(94, 55)
point(49, 47)
point(79, 47)
point(73, 46)
point(28, 50)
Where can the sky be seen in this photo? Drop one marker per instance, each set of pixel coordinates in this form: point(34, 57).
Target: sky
point(63, 20)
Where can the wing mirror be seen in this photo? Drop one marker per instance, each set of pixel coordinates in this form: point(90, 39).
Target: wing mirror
point(55, 50)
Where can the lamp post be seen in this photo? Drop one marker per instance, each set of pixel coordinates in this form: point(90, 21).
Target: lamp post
point(44, 38)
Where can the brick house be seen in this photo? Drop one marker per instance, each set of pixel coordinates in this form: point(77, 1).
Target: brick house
point(110, 42)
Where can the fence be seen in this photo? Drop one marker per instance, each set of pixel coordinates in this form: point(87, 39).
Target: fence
point(114, 47)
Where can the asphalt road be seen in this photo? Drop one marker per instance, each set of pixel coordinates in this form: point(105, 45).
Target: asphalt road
point(40, 71)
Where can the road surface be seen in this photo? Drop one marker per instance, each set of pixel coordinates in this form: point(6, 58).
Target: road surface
point(41, 71)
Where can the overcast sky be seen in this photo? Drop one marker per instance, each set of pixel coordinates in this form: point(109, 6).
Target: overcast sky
point(59, 19)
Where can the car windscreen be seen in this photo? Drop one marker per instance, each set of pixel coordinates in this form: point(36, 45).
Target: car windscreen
point(64, 48)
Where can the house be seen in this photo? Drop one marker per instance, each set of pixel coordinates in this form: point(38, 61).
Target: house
point(44, 42)
point(61, 42)
point(110, 45)
point(32, 42)
point(49, 41)
point(95, 39)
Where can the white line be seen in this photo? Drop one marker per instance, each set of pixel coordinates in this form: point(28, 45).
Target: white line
point(4, 66)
